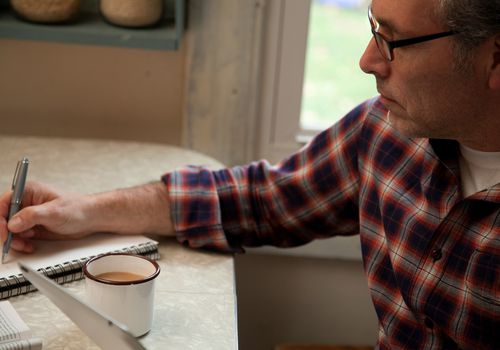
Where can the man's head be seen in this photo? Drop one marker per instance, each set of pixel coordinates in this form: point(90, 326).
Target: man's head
point(474, 20)
point(446, 87)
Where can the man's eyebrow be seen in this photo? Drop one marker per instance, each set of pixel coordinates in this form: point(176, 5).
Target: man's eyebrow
point(387, 24)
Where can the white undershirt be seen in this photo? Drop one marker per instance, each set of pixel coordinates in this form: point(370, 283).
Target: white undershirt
point(479, 170)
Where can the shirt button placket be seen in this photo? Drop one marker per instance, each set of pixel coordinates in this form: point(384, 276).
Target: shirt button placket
point(436, 254)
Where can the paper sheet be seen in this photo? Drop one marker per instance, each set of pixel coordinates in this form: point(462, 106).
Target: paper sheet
point(14, 333)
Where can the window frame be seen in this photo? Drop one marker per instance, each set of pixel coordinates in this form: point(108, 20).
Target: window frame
point(283, 66)
point(283, 60)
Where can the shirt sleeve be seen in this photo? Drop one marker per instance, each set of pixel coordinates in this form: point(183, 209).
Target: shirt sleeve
point(312, 194)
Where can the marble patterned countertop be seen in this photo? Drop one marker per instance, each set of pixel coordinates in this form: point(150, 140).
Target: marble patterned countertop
point(195, 302)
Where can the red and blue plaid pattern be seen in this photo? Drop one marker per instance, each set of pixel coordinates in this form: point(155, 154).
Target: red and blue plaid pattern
point(432, 257)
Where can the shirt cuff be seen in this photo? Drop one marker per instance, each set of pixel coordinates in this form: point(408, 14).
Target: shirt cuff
point(195, 209)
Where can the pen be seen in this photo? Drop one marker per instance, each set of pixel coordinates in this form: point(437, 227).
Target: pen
point(17, 196)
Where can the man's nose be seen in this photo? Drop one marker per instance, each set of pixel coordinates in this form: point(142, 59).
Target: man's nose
point(372, 62)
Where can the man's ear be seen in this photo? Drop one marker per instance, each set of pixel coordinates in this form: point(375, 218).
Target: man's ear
point(494, 80)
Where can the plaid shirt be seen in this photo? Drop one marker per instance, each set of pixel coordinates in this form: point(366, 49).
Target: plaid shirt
point(432, 258)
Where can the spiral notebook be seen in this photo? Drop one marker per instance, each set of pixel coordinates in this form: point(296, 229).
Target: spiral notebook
point(62, 261)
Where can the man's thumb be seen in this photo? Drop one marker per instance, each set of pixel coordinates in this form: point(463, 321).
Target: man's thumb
point(24, 219)
point(15, 224)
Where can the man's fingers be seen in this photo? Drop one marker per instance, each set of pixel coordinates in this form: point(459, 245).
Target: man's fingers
point(17, 224)
point(4, 212)
point(36, 193)
point(26, 219)
point(3, 229)
point(21, 245)
point(27, 234)
point(4, 204)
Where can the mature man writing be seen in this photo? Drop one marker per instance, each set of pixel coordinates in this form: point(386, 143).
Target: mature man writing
point(415, 172)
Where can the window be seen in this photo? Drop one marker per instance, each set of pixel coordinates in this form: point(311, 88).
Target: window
point(338, 32)
point(334, 84)
point(311, 76)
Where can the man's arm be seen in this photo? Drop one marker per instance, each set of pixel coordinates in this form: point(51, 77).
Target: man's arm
point(312, 194)
point(136, 210)
point(50, 214)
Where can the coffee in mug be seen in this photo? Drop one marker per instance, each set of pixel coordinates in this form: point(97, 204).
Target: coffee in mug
point(121, 286)
point(120, 276)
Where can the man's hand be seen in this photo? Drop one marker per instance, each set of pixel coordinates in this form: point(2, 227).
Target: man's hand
point(50, 214)
point(46, 214)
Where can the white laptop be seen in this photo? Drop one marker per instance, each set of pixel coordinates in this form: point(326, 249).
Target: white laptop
point(105, 332)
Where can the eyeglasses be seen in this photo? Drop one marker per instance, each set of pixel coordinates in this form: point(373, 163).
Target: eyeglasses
point(386, 47)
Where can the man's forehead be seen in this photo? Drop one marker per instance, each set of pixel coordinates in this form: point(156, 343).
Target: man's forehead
point(404, 16)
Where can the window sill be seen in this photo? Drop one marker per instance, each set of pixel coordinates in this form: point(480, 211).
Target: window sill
point(91, 29)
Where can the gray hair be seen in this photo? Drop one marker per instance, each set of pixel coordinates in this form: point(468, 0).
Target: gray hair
point(474, 20)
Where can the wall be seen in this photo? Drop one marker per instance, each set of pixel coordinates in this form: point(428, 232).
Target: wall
point(223, 72)
point(53, 89)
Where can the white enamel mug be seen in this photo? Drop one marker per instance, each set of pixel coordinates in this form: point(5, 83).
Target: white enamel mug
point(130, 302)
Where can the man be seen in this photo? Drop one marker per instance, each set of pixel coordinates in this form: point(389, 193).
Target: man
point(415, 172)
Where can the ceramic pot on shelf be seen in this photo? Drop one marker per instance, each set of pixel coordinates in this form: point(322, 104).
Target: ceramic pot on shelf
point(132, 13)
point(47, 11)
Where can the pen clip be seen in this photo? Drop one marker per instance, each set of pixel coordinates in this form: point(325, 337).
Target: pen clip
point(16, 174)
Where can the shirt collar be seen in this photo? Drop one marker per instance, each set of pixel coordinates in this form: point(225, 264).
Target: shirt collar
point(448, 153)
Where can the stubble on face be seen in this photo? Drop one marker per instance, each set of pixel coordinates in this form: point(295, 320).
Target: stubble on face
point(429, 93)
point(439, 100)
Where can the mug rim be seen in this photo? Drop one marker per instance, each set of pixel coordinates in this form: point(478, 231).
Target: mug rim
point(123, 283)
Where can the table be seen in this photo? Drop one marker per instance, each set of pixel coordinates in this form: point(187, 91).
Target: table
point(195, 302)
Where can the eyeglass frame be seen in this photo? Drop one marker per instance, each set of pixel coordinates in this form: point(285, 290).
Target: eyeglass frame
point(380, 40)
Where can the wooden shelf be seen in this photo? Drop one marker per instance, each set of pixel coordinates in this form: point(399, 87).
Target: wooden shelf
point(92, 29)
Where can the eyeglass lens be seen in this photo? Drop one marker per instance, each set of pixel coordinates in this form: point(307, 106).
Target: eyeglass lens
point(382, 45)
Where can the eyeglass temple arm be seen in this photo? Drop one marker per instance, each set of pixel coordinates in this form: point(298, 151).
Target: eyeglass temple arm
point(404, 42)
